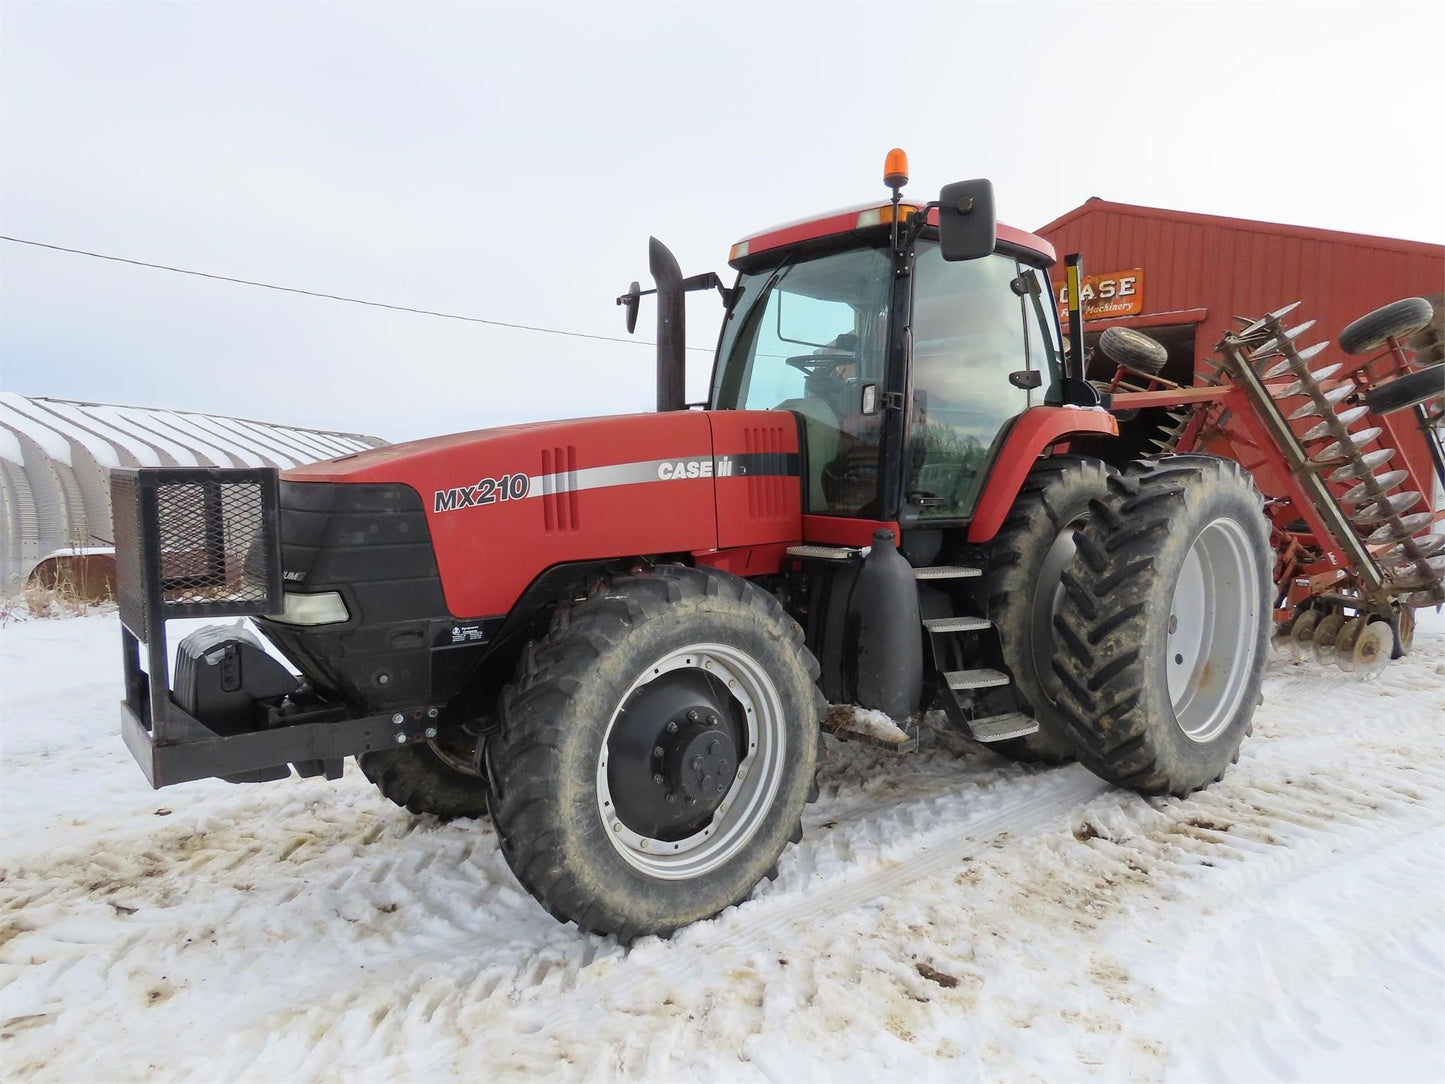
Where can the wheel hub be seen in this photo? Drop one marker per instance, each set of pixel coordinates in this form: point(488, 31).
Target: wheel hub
point(691, 760)
point(666, 752)
point(698, 762)
point(1210, 645)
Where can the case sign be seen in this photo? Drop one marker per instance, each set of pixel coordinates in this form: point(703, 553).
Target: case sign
point(1102, 297)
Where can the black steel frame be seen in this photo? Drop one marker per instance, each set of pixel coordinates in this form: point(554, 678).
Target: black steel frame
point(170, 745)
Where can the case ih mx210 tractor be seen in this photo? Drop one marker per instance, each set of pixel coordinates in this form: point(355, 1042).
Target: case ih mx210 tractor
point(619, 636)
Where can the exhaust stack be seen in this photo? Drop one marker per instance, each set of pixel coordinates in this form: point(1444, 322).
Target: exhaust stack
point(671, 327)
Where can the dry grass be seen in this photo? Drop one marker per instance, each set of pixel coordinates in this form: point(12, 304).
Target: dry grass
point(62, 600)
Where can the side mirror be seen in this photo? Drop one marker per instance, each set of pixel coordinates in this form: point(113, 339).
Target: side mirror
point(629, 301)
point(966, 224)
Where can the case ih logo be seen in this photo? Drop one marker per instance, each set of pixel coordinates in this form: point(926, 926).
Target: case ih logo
point(1117, 293)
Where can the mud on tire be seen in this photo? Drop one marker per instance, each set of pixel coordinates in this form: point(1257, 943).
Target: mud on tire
point(1164, 625)
point(681, 681)
point(1025, 562)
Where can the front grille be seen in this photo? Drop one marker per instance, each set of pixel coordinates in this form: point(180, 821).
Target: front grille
point(370, 542)
point(195, 542)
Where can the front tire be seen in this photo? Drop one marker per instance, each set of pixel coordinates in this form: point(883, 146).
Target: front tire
point(1164, 625)
point(656, 751)
point(419, 779)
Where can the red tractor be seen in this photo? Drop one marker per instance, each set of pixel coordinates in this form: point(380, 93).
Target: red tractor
point(619, 636)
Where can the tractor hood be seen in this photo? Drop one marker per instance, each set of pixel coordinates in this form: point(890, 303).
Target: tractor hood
point(503, 505)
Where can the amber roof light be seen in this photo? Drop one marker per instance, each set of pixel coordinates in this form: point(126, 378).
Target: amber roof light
point(895, 169)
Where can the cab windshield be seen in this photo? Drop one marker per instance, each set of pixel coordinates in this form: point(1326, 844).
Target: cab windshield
point(811, 336)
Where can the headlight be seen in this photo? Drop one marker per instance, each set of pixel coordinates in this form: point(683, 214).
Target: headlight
point(325, 608)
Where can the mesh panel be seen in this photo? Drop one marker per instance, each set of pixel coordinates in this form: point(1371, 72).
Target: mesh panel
point(205, 530)
point(196, 542)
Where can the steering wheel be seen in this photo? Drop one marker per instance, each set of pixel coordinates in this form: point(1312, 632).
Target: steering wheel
point(813, 364)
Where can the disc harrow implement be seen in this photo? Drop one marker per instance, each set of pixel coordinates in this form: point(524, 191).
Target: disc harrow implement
point(1353, 530)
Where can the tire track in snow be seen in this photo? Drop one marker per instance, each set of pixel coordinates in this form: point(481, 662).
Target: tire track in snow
point(565, 987)
point(1271, 988)
point(375, 932)
point(266, 894)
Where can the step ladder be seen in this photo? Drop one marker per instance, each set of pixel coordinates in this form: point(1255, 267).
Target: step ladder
point(960, 686)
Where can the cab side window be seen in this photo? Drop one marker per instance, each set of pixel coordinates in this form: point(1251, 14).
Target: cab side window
point(968, 336)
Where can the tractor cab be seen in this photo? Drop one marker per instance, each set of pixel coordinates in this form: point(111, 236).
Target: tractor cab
point(905, 354)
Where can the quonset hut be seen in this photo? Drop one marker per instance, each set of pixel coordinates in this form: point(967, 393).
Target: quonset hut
point(56, 456)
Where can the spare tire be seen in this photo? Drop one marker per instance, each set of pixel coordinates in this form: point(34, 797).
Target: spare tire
point(1395, 320)
point(1133, 350)
point(1408, 390)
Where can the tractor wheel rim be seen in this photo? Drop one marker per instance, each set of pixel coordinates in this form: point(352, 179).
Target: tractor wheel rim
point(1213, 621)
point(754, 703)
point(1048, 600)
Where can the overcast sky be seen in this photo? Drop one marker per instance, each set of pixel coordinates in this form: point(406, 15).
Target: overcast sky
point(509, 161)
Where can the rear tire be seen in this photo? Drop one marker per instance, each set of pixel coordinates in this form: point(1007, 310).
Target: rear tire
point(1164, 625)
point(1025, 563)
point(417, 779)
point(683, 682)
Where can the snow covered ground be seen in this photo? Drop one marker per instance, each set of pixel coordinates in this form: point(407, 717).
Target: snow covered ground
point(947, 916)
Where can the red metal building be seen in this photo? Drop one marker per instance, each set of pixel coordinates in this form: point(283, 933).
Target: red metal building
point(1180, 277)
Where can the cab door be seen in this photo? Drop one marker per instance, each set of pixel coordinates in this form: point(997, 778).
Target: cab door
point(968, 333)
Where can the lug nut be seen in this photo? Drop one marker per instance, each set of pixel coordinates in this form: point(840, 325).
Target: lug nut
point(431, 732)
point(401, 739)
point(672, 727)
point(657, 779)
point(712, 720)
point(432, 713)
point(692, 716)
point(670, 798)
point(658, 751)
point(692, 801)
point(398, 718)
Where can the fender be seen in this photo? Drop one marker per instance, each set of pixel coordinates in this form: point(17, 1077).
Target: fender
point(1036, 430)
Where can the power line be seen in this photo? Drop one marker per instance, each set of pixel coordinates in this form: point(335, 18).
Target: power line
point(338, 297)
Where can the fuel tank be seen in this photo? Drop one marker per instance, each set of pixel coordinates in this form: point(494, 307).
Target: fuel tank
point(502, 505)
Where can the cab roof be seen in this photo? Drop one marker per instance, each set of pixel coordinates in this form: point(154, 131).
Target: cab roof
point(867, 216)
